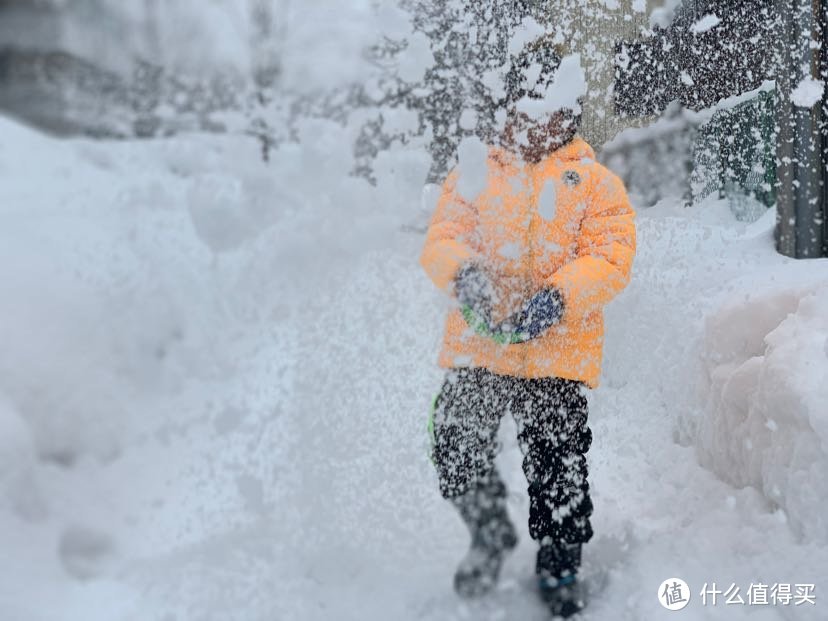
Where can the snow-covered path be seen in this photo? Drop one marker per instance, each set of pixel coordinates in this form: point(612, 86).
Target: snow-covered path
point(216, 378)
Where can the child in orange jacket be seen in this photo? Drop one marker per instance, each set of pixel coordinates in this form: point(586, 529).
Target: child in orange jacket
point(532, 257)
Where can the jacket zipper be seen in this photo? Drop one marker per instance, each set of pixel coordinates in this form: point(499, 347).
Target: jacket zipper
point(531, 228)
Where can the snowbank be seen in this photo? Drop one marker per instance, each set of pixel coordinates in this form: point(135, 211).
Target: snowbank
point(154, 298)
point(766, 423)
point(125, 272)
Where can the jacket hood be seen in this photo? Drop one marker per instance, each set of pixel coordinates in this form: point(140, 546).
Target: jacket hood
point(574, 150)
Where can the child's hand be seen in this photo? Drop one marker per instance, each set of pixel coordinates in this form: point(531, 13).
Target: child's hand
point(542, 311)
point(474, 289)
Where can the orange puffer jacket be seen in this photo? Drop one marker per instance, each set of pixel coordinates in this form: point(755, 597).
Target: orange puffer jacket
point(565, 222)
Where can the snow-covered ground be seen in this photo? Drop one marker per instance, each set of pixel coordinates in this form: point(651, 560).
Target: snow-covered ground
point(215, 376)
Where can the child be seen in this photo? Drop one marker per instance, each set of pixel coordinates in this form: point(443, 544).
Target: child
point(531, 259)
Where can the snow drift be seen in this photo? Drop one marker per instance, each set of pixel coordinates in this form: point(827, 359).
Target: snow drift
point(766, 423)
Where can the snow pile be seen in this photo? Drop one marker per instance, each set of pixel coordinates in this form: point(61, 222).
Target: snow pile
point(151, 299)
point(135, 283)
point(766, 424)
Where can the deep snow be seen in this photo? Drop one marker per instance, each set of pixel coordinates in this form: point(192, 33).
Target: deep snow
point(216, 374)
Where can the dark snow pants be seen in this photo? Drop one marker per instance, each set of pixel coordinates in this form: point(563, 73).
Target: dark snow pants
point(551, 418)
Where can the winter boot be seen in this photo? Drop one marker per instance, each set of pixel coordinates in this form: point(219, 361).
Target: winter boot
point(492, 537)
point(480, 568)
point(564, 596)
point(558, 583)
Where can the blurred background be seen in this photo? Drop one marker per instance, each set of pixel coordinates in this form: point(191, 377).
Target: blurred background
point(218, 351)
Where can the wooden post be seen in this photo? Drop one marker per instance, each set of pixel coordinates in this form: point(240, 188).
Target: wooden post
point(801, 145)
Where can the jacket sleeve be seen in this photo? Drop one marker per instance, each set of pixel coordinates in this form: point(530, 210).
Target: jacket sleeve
point(447, 240)
point(606, 247)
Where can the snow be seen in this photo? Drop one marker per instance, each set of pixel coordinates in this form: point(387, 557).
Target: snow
point(511, 250)
point(473, 168)
point(808, 92)
point(17, 462)
point(216, 375)
point(670, 123)
point(766, 362)
point(662, 16)
point(468, 120)
point(548, 200)
point(527, 31)
point(186, 35)
point(705, 24)
point(393, 20)
point(417, 59)
point(493, 81)
point(568, 85)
